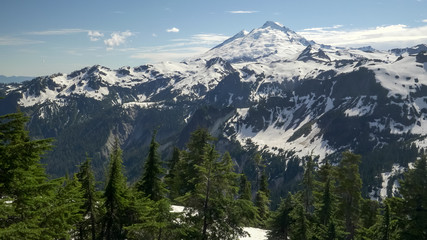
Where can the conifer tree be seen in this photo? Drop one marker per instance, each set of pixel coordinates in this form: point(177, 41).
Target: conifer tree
point(151, 183)
point(281, 220)
point(31, 206)
point(116, 197)
point(262, 202)
point(211, 210)
point(196, 148)
point(88, 227)
point(173, 177)
point(245, 188)
point(349, 192)
point(414, 193)
point(308, 186)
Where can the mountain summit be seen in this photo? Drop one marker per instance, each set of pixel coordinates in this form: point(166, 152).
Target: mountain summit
point(268, 43)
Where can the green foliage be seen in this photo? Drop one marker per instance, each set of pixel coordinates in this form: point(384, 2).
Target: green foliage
point(87, 228)
point(173, 177)
point(414, 193)
point(348, 191)
point(116, 197)
point(151, 183)
point(281, 220)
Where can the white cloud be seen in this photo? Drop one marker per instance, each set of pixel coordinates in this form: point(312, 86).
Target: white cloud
point(154, 35)
point(174, 30)
point(117, 38)
point(424, 20)
point(180, 48)
point(65, 31)
point(94, 35)
point(12, 41)
point(383, 37)
point(242, 12)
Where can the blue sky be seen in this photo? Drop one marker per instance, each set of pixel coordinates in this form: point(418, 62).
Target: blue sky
point(44, 37)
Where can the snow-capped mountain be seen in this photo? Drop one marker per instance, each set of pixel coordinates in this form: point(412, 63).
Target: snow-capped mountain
point(270, 87)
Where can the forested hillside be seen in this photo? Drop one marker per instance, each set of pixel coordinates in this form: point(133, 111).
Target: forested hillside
point(218, 200)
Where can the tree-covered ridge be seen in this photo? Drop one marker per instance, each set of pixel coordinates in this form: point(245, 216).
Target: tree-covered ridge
point(218, 202)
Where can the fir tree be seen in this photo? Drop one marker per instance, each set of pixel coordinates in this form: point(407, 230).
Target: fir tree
point(245, 188)
point(151, 183)
point(281, 220)
point(31, 206)
point(115, 198)
point(172, 178)
point(88, 227)
point(211, 210)
point(414, 193)
point(194, 155)
point(308, 186)
point(349, 192)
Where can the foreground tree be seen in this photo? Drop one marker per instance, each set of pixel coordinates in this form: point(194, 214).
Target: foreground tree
point(348, 192)
point(211, 209)
point(87, 228)
point(116, 198)
point(31, 206)
point(281, 220)
point(414, 193)
point(151, 183)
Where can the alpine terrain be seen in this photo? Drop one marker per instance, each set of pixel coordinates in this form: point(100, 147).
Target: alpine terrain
point(268, 90)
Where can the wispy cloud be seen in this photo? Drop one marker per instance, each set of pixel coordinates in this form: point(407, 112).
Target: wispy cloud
point(117, 38)
point(173, 30)
point(180, 48)
point(241, 12)
point(424, 20)
point(94, 35)
point(382, 37)
point(65, 31)
point(13, 41)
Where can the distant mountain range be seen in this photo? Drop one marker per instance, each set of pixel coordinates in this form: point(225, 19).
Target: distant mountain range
point(269, 89)
point(14, 79)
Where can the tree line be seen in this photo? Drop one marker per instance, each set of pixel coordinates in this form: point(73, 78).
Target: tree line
point(217, 202)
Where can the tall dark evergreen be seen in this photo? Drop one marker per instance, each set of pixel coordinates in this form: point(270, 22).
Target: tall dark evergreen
point(192, 157)
point(281, 220)
point(308, 186)
point(245, 188)
point(173, 177)
point(211, 209)
point(348, 191)
point(151, 183)
point(31, 206)
point(414, 193)
point(262, 201)
point(116, 197)
point(88, 227)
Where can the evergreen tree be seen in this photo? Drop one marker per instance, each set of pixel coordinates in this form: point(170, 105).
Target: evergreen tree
point(31, 206)
point(300, 226)
point(191, 158)
point(349, 192)
point(211, 210)
point(308, 186)
point(414, 193)
point(151, 183)
point(172, 178)
point(281, 220)
point(245, 188)
point(87, 228)
point(262, 202)
point(116, 197)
